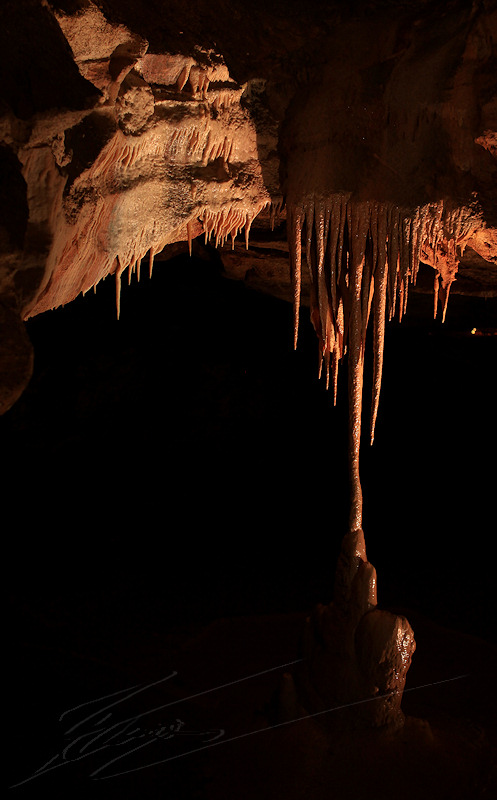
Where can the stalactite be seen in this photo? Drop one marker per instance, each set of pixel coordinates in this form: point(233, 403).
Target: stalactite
point(189, 234)
point(119, 271)
point(183, 77)
point(276, 208)
point(379, 298)
point(358, 223)
point(122, 153)
point(230, 221)
point(295, 236)
point(361, 257)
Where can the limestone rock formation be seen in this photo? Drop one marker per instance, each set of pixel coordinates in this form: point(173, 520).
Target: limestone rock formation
point(357, 141)
point(125, 134)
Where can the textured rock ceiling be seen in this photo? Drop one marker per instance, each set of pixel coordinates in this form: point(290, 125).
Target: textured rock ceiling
point(337, 154)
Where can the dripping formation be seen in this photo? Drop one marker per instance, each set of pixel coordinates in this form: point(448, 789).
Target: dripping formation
point(176, 180)
point(361, 258)
point(219, 224)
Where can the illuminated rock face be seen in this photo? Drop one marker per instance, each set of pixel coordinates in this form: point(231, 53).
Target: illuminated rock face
point(371, 133)
point(174, 155)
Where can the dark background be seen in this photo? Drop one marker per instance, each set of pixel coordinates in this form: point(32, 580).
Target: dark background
point(185, 463)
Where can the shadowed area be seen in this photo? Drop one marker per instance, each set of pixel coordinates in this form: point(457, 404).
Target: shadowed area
point(106, 588)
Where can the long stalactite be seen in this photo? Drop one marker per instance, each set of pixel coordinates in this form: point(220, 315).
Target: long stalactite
point(361, 257)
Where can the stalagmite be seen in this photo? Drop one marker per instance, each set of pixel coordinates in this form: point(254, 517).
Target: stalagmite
point(362, 256)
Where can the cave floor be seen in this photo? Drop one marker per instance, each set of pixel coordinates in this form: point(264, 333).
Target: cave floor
point(190, 713)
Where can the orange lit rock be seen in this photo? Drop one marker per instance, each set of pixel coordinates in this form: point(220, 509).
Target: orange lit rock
point(172, 143)
point(370, 135)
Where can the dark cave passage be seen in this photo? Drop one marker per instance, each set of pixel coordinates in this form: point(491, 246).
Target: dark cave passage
point(157, 449)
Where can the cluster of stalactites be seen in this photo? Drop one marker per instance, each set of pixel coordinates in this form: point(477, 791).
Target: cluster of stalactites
point(229, 222)
point(361, 257)
point(82, 248)
point(218, 224)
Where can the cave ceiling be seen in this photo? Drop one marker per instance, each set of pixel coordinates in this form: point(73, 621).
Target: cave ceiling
point(299, 139)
